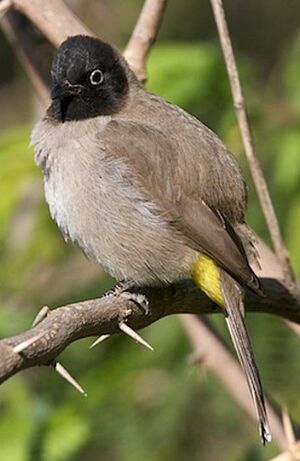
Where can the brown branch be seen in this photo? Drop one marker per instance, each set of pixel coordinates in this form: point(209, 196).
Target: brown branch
point(289, 455)
point(248, 141)
point(4, 7)
point(271, 267)
point(101, 316)
point(53, 18)
point(211, 352)
point(143, 36)
point(30, 49)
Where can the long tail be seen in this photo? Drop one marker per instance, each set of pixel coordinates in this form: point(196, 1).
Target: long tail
point(233, 298)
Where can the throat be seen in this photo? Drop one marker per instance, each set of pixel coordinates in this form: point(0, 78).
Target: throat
point(74, 108)
point(60, 109)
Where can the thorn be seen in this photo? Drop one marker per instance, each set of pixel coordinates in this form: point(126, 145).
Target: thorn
point(66, 375)
point(99, 340)
point(28, 342)
point(41, 315)
point(133, 334)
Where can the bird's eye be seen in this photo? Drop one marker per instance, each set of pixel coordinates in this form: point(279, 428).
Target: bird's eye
point(96, 77)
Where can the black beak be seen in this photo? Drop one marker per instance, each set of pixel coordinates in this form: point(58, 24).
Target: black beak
point(65, 90)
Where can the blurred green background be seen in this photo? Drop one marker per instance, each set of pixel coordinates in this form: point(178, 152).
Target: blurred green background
point(144, 406)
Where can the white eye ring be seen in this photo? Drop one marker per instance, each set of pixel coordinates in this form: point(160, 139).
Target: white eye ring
point(96, 77)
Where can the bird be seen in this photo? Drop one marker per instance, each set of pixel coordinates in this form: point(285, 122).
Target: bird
point(146, 189)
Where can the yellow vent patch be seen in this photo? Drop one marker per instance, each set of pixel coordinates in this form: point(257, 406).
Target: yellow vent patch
point(206, 276)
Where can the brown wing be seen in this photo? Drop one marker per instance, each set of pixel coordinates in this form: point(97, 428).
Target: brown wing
point(153, 160)
point(215, 237)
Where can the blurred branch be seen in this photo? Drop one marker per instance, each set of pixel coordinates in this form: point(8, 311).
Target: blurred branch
point(143, 36)
point(210, 352)
point(54, 19)
point(29, 25)
point(289, 455)
point(247, 137)
point(29, 46)
point(270, 266)
point(102, 316)
point(288, 429)
point(4, 7)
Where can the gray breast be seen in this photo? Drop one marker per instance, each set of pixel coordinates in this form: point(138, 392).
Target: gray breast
point(95, 204)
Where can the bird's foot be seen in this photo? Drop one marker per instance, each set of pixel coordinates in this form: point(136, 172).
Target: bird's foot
point(139, 299)
point(123, 288)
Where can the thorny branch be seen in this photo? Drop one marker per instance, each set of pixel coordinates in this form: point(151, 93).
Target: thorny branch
point(102, 316)
point(44, 342)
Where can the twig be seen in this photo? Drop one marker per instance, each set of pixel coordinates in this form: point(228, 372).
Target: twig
point(143, 36)
point(211, 352)
point(4, 7)
point(288, 427)
point(271, 267)
point(290, 434)
point(242, 116)
point(294, 327)
point(54, 19)
point(288, 456)
point(27, 46)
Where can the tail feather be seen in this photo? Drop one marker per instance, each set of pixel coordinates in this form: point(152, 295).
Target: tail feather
point(234, 318)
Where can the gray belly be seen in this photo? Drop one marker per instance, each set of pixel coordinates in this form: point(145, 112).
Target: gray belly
point(95, 205)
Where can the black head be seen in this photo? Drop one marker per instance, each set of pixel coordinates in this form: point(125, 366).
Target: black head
point(89, 79)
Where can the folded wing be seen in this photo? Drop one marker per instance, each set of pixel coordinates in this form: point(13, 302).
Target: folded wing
point(153, 161)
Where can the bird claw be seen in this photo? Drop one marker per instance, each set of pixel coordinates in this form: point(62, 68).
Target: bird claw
point(122, 290)
point(139, 299)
